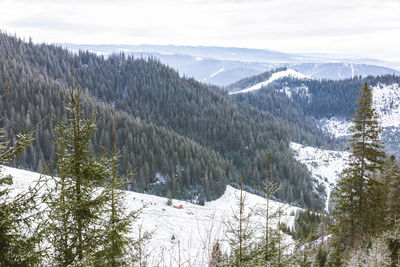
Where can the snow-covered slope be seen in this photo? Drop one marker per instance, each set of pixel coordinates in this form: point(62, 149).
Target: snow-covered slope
point(387, 102)
point(324, 165)
point(188, 233)
point(338, 127)
point(275, 76)
point(386, 99)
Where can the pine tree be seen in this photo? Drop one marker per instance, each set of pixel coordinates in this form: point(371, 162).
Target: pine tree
point(268, 248)
point(116, 244)
point(216, 256)
point(359, 188)
point(321, 257)
point(392, 177)
point(20, 231)
point(76, 201)
point(240, 234)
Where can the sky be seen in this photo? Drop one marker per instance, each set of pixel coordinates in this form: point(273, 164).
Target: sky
point(363, 28)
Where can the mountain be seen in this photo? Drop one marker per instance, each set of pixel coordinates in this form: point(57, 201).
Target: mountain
point(339, 70)
point(176, 133)
point(225, 65)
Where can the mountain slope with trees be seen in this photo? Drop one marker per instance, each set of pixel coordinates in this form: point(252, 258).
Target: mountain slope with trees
point(176, 133)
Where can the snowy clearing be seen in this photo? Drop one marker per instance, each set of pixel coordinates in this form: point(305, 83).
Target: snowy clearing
point(324, 165)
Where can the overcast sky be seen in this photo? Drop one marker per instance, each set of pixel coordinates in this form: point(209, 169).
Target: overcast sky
point(368, 28)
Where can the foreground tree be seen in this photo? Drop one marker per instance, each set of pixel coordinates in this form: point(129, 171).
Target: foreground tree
point(88, 222)
point(76, 200)
point(359, 193)
point(241, 234)
point(20, 234)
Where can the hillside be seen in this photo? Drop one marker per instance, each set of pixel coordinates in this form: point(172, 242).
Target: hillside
point(331, 103)
point(176, 133)
point(172, 237)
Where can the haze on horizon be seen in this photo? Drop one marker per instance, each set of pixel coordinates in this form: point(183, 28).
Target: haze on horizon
point(363, 28)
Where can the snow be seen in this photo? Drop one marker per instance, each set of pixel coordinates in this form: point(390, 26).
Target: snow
point(275, 76)
point(186, 235)
point(386, 101)
point(338, 127)
point(325, 165)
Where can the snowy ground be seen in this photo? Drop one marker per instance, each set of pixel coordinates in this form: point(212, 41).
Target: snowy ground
point(184, 235)
point(324, 165)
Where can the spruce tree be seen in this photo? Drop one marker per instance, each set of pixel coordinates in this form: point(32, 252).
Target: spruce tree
point(76, 199)
point(359, 187)
point(268, 247)
point(240, 234)
point(392, 175)
point(20, 231)
point(116, 244)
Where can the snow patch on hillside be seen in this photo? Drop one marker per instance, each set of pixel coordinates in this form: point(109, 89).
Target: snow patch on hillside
point(386, 100)
point(324, 165)
point(338, 127)
point(189, 232)
point(275, 76)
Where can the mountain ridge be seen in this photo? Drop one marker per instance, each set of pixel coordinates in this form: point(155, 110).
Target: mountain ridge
point(202, 62)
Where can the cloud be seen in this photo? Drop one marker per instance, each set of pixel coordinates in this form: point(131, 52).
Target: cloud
point(289, 25)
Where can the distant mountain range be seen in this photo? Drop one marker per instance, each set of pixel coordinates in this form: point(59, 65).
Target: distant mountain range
point(225, 65)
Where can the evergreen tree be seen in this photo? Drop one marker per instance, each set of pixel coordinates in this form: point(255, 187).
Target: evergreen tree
point(240, 234)
point(359, 191)
point(20, 231)
point(216, 256)
point(321, 257)
point(76, 201)
point(169, 197)
point(392, 178)
point(116, 244)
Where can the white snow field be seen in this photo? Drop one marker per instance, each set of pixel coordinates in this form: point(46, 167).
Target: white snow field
point(185, 235)
point(324, 165)
point(275, 76)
